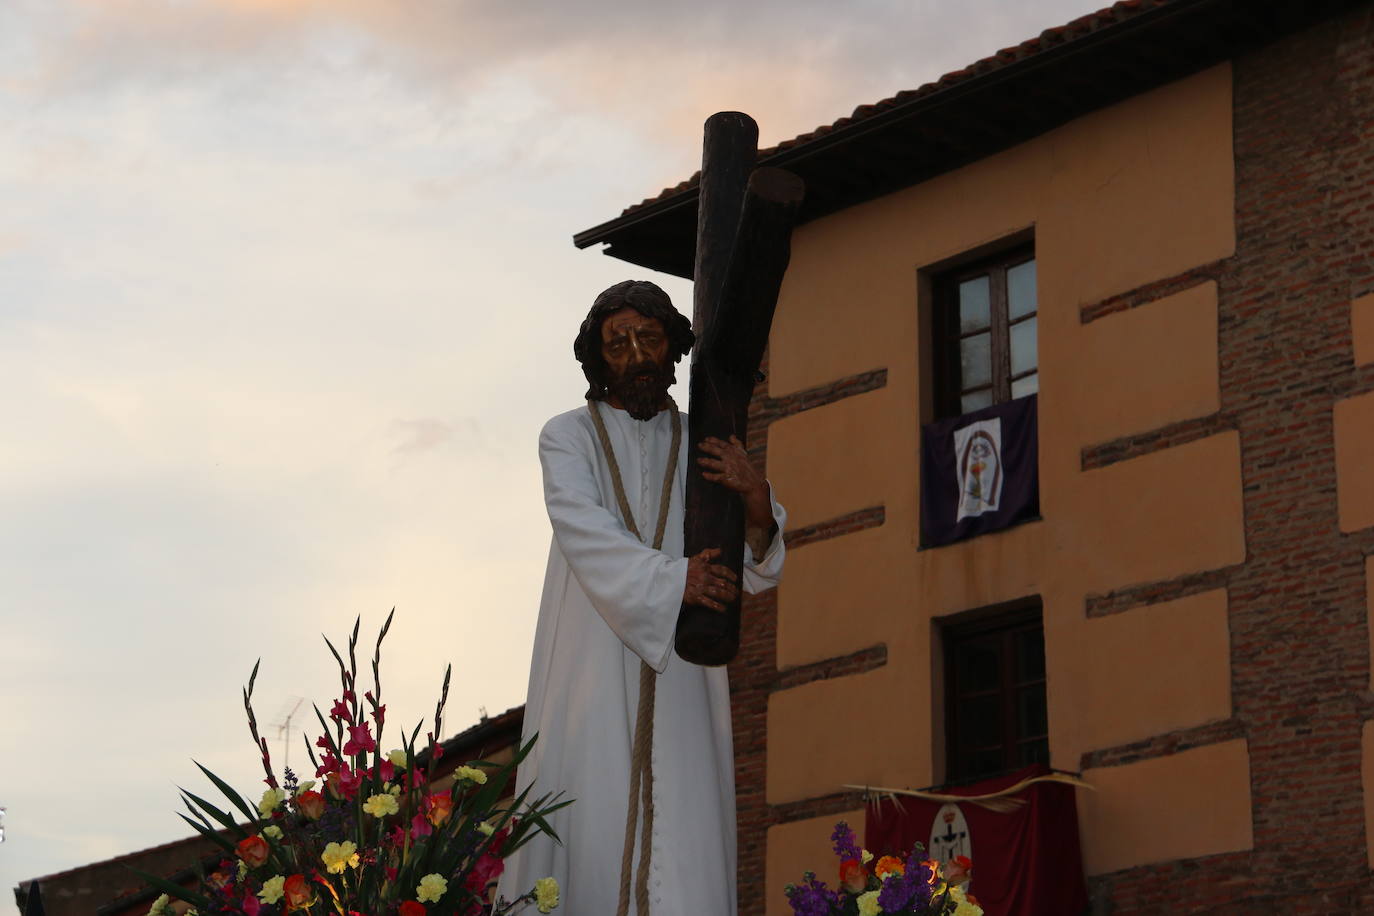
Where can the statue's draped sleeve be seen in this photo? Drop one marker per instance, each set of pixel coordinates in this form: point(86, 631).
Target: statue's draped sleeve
point(637, 590)
point(765, 572)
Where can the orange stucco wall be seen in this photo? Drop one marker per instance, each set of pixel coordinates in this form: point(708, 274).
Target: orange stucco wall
point(1134, 816)
point(1362, 329)
point(1353, 421)
point(800, 846)
point(1127, 196)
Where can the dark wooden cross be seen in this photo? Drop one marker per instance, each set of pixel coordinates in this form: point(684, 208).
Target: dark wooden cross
point(744, 236)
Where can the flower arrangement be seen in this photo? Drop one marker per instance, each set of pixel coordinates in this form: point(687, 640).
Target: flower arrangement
point(369, 836)
point(915, 886)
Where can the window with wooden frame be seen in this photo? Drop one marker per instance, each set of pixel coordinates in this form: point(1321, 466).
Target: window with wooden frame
point(985, 333)
point(996, 718)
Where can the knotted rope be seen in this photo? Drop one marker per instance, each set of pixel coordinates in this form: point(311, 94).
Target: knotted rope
point(641, 760)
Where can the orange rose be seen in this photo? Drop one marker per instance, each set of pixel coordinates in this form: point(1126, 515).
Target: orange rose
point(889, 865)
point(310, 804)
point(411, 908)
point(253, 851)
point(853, 876)
point(957, 870)
point(440, 808)
point(297, 893)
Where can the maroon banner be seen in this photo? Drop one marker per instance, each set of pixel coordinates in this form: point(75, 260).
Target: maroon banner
point(1026, 862)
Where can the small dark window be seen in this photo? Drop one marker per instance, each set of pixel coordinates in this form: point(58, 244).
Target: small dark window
point(985, 327)
point(995, 711)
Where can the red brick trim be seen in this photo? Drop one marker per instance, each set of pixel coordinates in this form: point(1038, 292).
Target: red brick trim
point(1163, 745)
point(1168, 436)
point(860, 520)
point(766, 409)
point(1152, 292)
point(1124, 599)
point(822, 805)
point(840, 666)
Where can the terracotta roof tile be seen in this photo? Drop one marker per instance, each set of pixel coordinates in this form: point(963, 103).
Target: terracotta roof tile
point(1077, 28)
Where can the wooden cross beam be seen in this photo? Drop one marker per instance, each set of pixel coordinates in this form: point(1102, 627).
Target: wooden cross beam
point(744, 233)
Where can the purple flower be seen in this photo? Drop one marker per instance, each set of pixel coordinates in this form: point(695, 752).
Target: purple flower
point(843, 838)
point(812, 898)
point(895, 894)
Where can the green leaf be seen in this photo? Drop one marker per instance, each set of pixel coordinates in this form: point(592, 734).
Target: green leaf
point(229, 793)
point(209, 833)
point(172, 889)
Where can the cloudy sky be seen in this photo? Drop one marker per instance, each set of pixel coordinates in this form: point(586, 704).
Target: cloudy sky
point(287, 289)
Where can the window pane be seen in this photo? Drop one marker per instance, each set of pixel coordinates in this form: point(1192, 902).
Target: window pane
point(979, 668)
point(975, 361)
point(983, 763)
point(980, 721)
point(1034, 752)
point(976, 401)
point(1030, 711)
point(1023, 346)
point(1030, 655)
point(1024, 386)
point(975, 305)
point(1021, 290)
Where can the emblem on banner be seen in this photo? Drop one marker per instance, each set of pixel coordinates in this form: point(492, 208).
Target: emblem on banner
point(949, 836)
point(978, 449)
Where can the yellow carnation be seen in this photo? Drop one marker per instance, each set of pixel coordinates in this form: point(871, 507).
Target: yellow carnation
point(381, 805)
point(868, 904)
point(272, 889)
point(965, 906)
point(271, 800)
point(338, 856)
point(866, 856)
point(486, 829)
point(397, 757)
point(160, 905)
point(305, 786)
point(470, 773)
point(546, 894)
point(431, 888)
point(272, 831)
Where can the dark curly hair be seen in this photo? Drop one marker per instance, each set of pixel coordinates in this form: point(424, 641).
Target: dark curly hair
point(650, 301)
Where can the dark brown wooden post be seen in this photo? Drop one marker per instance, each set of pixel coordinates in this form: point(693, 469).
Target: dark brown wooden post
point(724, 369)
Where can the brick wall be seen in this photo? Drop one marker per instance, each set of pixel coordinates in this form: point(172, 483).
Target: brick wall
point(1304, 146)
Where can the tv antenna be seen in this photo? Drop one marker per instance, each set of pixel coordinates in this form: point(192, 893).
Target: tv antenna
point(283, 726)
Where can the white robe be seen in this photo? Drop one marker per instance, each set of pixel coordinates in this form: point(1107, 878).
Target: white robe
point(609, 601)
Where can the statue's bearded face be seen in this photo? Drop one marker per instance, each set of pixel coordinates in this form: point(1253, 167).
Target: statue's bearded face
point(638, 369)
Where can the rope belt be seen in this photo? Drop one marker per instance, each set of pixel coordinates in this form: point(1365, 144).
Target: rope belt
point(641, 760)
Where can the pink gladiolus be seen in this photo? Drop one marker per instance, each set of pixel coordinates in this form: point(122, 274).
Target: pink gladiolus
point(359, 740)
point(340, 711)
point(419, 826)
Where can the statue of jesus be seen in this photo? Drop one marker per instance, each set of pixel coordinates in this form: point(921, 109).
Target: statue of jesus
point(614, 474)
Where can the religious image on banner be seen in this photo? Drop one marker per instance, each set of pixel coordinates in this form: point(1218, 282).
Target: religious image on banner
point(980, 472)
point(1027, 861)
point(949, 835)
point(979, 450)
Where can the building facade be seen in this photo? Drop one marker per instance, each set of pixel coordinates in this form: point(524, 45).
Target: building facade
point(1160, 218)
